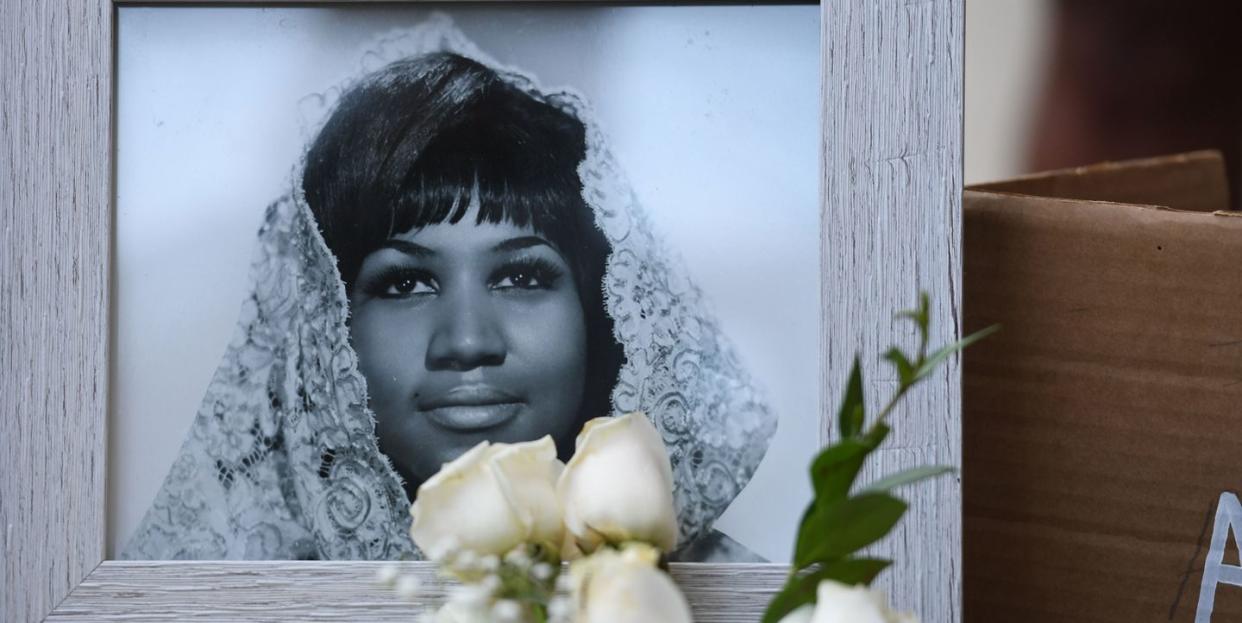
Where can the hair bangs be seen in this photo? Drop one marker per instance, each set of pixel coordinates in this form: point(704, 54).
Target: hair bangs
point(518, 175)
point(415, 143)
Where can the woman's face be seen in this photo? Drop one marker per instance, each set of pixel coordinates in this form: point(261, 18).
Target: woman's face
point(467, 333)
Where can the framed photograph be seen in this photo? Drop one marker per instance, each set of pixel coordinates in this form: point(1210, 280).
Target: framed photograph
point(268, 266)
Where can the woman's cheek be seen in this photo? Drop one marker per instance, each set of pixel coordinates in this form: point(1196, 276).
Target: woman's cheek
point(550, 337)
point(386, 341)
point(390, 360)
point(548, 343)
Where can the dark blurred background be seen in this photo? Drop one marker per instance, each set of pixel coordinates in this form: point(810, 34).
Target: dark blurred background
point(1060, 83)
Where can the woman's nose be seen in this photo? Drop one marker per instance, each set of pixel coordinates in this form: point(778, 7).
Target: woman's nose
point(466, 335)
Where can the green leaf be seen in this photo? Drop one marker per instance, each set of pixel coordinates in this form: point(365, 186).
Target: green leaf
point(905, 369)
point(801, 589)
point(906, 477)
point(852, 570)
point(833, 473)
point(841, 529)
point(921, 318)
point(803, 540)
point(834, 469)
point(940, 355)
point(922, 315)
point(852, 412)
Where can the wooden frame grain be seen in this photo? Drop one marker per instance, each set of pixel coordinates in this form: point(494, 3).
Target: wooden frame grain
point(891, 203)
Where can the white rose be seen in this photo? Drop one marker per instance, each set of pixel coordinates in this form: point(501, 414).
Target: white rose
point(841, 603)
point(626, 587)
point(619, 485)
point(490, 500)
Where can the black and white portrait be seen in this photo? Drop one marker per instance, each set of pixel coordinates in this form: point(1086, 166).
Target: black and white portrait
point(354, 243)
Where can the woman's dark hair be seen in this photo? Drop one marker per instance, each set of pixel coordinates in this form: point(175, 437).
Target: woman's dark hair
point(410, 144)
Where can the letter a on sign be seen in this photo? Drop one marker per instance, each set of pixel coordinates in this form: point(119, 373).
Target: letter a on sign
point(1228, 522)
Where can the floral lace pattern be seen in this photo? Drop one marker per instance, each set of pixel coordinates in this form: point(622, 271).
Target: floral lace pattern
point(281, 461)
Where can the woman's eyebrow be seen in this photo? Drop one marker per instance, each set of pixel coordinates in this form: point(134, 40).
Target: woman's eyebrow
point(519, 243)
point(407, 247)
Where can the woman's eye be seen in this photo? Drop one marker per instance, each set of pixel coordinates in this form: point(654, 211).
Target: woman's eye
point(408, 285)
point(521, 279)
point(526, 275)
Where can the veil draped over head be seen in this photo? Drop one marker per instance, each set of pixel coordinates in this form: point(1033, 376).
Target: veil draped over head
point(282, 462)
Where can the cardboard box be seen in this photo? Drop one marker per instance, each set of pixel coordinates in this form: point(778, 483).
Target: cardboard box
point(1102, 425)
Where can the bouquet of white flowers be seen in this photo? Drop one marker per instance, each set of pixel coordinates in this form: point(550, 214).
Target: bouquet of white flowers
point(501, 518)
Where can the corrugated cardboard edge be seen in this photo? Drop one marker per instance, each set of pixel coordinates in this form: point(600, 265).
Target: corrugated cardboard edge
point(972, 195)
point(1191, 182)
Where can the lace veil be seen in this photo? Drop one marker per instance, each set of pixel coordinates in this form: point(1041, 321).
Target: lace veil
point(281, 461)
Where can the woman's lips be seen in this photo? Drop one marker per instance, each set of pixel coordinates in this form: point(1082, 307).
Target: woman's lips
point(470, 407)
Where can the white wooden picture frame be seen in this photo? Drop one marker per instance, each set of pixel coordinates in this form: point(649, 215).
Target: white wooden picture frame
point(891, 168)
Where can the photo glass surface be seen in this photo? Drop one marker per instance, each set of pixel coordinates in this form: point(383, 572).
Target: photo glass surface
point(354, 243)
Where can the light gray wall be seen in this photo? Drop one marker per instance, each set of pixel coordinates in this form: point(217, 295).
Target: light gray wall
point(1007, 47)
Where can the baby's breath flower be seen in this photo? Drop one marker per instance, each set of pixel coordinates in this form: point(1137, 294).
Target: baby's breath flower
point(491, 583)
point(560, 609)
point(387, 574)
point(542, 571)
point(518, 558)
point(472, 597)
point(407, 587)
point(466, 561)
point(507, 611)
